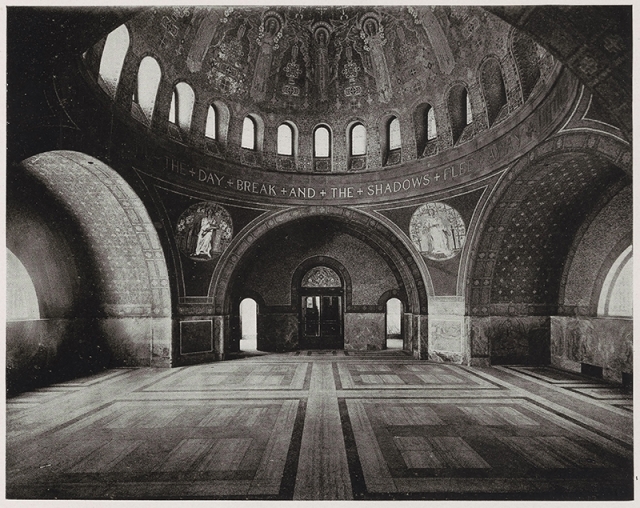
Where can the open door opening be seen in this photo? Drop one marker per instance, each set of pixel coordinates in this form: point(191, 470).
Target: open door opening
point(394, 323)
point(321, 312)
point(248, 325)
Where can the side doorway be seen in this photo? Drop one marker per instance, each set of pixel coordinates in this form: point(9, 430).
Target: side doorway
point(393, 318)
point(321, 310)
point(248, 325)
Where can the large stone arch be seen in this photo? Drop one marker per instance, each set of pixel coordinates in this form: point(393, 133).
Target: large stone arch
point(387, 242)
point(602, 237)
point(393, 248)
point(581, 333)
point(132, 302)
point(518, 255)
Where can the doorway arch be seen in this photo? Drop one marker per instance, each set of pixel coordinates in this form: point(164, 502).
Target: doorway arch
point(393, 323)
point(278, 244)
point(248, 325)
point(321, 304)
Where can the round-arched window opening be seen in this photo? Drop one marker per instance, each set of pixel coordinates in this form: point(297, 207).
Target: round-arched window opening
point(394, 134)
point(113, 55)
point(181, 109)
point(249, 133)
point(149, 76)
point(22, 300)
point(321, 142)
point(285, 139)
point(616, 297)
point(358, 140)
point(211, 127)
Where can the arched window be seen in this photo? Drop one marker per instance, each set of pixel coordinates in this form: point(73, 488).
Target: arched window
point(149, 75)
point(113, 55)
point(249, 133)
point(217, 125)
point(358, 140)
point(616, 297)
point(432, 133)
point(172, 108)
point(459, 110)
point(394, 134)
point(285, 139)
point(493, 89)
point(181, 109)
point(424, 124)
point(321, 142)
point(468, 106)
point(525, 53)
point(22, 300)
point(211, 128)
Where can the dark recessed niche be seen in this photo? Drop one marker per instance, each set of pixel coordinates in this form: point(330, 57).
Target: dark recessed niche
point(591, 370)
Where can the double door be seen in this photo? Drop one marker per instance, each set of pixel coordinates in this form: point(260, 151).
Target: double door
point(321, 321)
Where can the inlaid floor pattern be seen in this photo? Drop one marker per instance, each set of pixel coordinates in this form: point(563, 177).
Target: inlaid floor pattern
point(322, 425)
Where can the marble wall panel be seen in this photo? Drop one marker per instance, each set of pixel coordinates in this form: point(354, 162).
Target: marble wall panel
point(506, 339)
point(32, 350)
point(161, 342)
point(421, 334)
point(364, 331)
point(130, 340)
point(447, 330)
point(221, 326)
point(603, 342)
point(447, 339)
point(45, 351)
point(278, 332)
point(407, 340)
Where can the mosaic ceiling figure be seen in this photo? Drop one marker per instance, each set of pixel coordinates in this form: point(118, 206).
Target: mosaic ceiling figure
point(437, 231)
point(204, 231)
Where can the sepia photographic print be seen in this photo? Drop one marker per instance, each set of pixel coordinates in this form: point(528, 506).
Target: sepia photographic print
point(307, 253)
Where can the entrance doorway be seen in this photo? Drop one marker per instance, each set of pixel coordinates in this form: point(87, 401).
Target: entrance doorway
point(321, 310)
point(248, 325)
point(394, 323)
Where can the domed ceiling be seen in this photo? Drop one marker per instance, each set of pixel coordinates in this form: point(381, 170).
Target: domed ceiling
point(316, 60)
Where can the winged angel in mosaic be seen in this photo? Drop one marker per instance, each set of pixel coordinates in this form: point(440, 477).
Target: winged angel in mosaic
point(204, 230)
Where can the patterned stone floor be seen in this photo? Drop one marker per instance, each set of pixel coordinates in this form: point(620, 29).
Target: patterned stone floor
point(323, 425)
